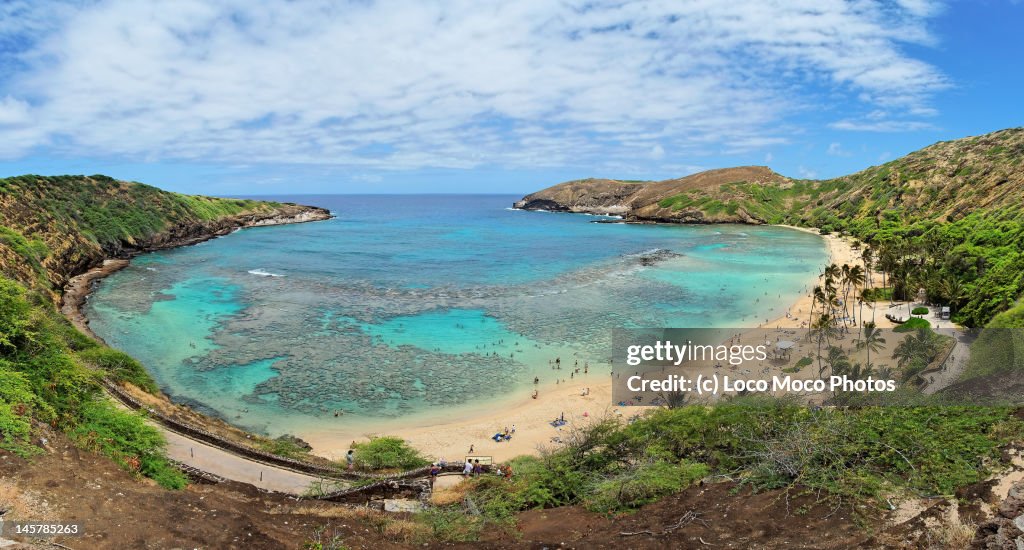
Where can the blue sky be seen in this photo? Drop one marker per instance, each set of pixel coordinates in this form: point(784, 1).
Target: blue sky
point(247, 97)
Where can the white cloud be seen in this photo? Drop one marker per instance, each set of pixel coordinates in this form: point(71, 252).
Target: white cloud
point(835, 149)
point(420, 83)
point(806, 173)
point(13, 112)
point(882, 125)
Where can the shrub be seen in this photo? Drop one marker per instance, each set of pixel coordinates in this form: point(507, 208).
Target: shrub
point(912, 324)
point(120, 366)
point(128, 440)
point(384, 453)
point(18, 407)
point(643, 485)
point(919, 311)
point(851, 455)
point(452, 524)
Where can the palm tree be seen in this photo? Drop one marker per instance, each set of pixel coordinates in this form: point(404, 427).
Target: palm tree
point(854, 278)
point(817, 295)
point(823, 331)
point(867, 256)
point(872, 341)
point(844, 280)
point(861, 298)
point(952, 290)
point(836, 360)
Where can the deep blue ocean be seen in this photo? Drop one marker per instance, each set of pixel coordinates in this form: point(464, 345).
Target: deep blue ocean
point(406, 304)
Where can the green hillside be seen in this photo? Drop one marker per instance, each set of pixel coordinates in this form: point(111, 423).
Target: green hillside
point(948, 218)
point(52, 228)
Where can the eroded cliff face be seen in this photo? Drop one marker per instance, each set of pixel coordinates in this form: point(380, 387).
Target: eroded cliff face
point(53, 228)
point(643, 201)
point(945, 181)
point(589, 196)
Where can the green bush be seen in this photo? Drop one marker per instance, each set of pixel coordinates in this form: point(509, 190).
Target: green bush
point(386, 453)
point(128, 440)
point(643, 485)
point(452, 524)
point(42, 379)
point(120, 366)
point(18, 408)
point(912, 324)
point(853, 455)
point(920, 310)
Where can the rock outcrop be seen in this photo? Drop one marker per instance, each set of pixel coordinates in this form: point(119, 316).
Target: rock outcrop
point(54, 228)
point(645, 201)
point(946, 181)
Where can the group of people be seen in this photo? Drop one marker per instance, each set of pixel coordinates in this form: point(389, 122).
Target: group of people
point(503, 436)
point(473, 467)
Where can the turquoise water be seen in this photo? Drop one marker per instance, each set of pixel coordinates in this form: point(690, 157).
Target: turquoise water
point(411, 304)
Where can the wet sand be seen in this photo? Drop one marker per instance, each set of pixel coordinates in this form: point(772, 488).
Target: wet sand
point(77, 291)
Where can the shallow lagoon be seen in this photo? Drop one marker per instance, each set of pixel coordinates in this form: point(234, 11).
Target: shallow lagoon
point(408, 305)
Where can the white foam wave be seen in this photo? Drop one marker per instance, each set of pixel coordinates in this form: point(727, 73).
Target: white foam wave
point(264, 273)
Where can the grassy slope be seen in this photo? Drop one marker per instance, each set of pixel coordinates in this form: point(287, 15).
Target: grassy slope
point(954, 212)
point(954, 208)
point(951, 214)
point(51, 228)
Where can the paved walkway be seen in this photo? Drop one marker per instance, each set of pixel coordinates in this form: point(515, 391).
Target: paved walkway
point(955, 365)
point(210, 459)
point(216, 461)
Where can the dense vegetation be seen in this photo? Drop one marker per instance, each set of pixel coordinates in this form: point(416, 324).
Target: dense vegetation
point(44, 379)
point(387, 453)
point(51, 227)
point(108, 211)
point(845, 457)
point(948, 218)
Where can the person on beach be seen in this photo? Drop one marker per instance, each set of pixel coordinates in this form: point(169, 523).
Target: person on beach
point(350, 459)
point(477, 467)
point(468, 468)
point(470, 449)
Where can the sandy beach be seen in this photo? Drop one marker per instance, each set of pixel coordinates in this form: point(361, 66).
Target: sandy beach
point(580, 399)
point(451, 439)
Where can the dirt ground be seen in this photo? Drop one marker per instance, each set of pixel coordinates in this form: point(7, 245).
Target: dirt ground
point(119, 511)
point(712, 516)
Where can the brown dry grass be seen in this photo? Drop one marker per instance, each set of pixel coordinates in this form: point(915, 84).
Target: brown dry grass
point(444, 496)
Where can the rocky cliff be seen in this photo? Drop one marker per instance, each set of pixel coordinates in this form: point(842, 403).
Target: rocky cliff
point(642, 200)
point(52, 228)
point(945, 181)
